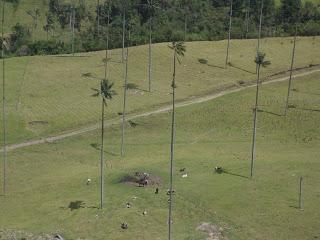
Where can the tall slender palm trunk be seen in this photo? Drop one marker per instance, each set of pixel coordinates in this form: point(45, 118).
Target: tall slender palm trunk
point(291, 71)
point(172, 146)
point(260, 25)
point(73, 23)
point(106, 64)
point(123, 32)
point(255, 115)
point(4, 127)
point(98, 18)
point(185, 27)
point(229, 33)
point(260, 28)
point(248, 18)
point(150, 53)
point(102, 157)
point(124, 102)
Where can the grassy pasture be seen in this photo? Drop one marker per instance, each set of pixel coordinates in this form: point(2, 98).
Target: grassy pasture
point(48, 94)
point(44, 179)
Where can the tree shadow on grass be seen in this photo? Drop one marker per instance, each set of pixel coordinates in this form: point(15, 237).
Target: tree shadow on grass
point(97, 147)
point(272, 113)
point(215, 66)
point(308, 109)
point(242, 69)
point(308, 93)
point(296, 207)
point(235, 174)
point(76, 205)
point(133, 86)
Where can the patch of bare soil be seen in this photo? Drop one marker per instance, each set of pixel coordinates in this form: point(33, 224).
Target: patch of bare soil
point(21, 235)
point(141, 179)
point(214, 232)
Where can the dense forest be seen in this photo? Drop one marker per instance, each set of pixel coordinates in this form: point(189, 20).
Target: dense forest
point(187, 20)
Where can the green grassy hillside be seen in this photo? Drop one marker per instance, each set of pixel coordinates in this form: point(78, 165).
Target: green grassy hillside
point(48, 94)
point(43, 180)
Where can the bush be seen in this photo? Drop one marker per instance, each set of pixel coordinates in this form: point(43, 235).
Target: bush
point(47, 47)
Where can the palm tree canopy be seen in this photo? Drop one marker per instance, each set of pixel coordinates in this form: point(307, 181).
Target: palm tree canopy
point(105, 91)
point(260, 60)
point(179, 48)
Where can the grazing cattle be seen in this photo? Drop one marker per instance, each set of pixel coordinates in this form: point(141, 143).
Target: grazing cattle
point(143, 179)
point(143, 182)
point(219, 169)
point(128, 205)
point(124, 225)
point(88, 181)
point(172, 192)
point(182, 169)
point(58, 237)
point(157, 191)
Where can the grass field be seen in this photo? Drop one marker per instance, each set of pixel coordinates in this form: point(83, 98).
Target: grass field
point(48, 94)
point(43, 180)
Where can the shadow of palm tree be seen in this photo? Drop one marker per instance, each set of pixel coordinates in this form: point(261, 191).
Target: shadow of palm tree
point(76, 205)
point(242, 69)
point(215, 66)
point(235, 174)
point(268, 112)
point(309, 93)
point(97, 147)
point(309, 109)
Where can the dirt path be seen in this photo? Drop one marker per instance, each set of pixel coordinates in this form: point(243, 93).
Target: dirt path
point(157, 111)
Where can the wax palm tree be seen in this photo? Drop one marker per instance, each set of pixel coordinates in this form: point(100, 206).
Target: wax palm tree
point(291, 71)
point(73, 20)
point(152, 5)
point(125, 87)
point(98, 18)
point(179, 50)
point(260, 62)
point(260, 29)
point(229, 33)
point(4, 104)
point(35, 14)
point(106, 93)
point(124, 5)
point(106, 60)
point(248, 17)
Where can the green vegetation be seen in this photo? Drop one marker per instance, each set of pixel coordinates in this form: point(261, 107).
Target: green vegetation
point(45, 179)
point(50, 94)
point(164, 21)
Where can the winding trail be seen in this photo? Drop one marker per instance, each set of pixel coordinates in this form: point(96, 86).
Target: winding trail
point(167, 108)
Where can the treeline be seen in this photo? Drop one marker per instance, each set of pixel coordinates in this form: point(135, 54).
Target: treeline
point(188, 20)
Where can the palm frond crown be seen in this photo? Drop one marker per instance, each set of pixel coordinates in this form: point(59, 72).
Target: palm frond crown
point(260, 60)
point(179, 48)
point(105, 91)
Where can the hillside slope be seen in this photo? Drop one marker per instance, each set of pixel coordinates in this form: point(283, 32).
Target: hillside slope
point(49, 94)
point(46, 181)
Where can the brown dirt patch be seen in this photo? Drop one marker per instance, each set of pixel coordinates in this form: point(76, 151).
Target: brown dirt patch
point(135, 179)
point(214, 232)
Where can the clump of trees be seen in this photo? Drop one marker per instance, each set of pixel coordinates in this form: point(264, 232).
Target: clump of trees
point(189, 20)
